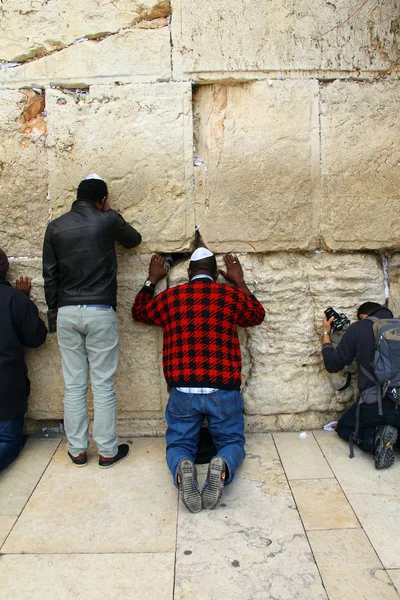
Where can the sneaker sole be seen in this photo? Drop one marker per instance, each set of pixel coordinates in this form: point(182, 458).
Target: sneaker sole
point(385, 457)
point(213, 492)
point(77, 464)
point(190, 493)
point(114, 463)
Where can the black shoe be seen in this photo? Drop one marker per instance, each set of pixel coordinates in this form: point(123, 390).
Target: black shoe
point(188, 486)
point(385, 437)
point(214, 484)
point(105, 462)
point(80, 460)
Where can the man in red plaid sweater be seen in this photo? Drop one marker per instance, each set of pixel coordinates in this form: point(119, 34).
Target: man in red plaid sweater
point(202, 366)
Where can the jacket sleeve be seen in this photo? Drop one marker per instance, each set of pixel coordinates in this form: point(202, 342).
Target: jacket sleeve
point(249, 311)
point(124, 233)
point(335, 359)
point(50, 271)
point(146, 308)
point(29, 327)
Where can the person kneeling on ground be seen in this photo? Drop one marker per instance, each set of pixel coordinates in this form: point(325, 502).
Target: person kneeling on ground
point(202, 365)
point(20, 326)
point(377, 433)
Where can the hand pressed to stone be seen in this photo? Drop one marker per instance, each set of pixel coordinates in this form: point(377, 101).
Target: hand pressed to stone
point(157, 269)
point(24, 284)
point(234, 272)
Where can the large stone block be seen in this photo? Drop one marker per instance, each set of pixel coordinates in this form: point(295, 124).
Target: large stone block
point(258, 165)
point(394, 284)
point(23, 172)
point(219, 39)
point(135, 55)
point(360, 165)
point(140, 387)
point(139, 138)
point(33, 29)
point(286, 373)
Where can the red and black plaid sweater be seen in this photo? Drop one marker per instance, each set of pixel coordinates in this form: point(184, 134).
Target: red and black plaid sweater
point(199, 320)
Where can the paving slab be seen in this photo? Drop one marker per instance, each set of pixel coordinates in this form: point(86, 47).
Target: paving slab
point(379, 517)
point(6, 524)
point(357, 474)
point(18, 481)
point(322, 504)
point(395, 577)
point(349, 566)
point(301, 457)
point(252, 546)
point(131, 507)
point(87, 577)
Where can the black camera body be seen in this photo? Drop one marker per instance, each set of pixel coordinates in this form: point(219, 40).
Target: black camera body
point(340, 321)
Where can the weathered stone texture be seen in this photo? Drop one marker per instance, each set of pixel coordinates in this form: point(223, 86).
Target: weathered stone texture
point(23, 172)
point(220, 40)
point(394, 284)
point(258, 165)
point(360, 161)
point(286, 373)
point(135, 55)
point(33, 28)
point(139, 138)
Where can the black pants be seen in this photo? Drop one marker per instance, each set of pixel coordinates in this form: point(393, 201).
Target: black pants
point(369, 420)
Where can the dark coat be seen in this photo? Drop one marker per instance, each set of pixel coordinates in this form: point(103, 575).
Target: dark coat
point(79, 260)
point(357, 343)
point(20, 325)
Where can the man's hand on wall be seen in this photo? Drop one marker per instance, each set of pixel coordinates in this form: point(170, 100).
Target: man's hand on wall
point(234, 272)
point(24, 284)
point(158, 269)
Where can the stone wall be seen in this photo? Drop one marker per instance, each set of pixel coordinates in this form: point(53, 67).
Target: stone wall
point(269, 128)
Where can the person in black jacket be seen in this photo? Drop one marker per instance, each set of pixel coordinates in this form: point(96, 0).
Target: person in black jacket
point(80, 278)
point(378, 433)
point(20, 326)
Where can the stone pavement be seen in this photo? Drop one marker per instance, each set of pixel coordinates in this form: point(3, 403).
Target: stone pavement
point(301, 522)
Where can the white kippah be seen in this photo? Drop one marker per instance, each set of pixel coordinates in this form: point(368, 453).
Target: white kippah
point(93, 176)
point(201, 253)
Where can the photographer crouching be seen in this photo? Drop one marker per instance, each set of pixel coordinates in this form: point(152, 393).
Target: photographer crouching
point(373, 421)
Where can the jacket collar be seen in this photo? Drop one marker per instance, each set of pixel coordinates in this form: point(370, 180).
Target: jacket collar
point(3, 280)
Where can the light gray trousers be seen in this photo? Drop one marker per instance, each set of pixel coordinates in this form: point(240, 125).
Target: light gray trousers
point(88, 337)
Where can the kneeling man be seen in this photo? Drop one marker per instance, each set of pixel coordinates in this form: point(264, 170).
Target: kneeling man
point(202, 366)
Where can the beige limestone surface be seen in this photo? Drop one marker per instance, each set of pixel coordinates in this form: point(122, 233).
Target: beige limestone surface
point(100, 510)
point(287, 375)
point(139, 139)
point(335, 550)
point(360, 165)
point(6, 524)
point(250, 554)
point(116, 576)
point(134, 55)
point(301, 456)
point(322, 504)
point(394, 283)
point(34, 29)
point(23, 172)
point(257, 166)
point(253, 545)
point(247, 40)
point(18, 481)
point(379, 516)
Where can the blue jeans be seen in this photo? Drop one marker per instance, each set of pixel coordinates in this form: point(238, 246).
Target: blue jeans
point(185, 415)
point(88, 337)
point(10, 440)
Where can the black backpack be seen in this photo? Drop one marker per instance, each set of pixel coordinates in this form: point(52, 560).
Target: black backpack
point(386, 369)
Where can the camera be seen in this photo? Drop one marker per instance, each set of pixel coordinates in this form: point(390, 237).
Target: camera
point(340, 321)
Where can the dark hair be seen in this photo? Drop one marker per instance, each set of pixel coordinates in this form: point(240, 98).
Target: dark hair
point(93, 190)
point(368, 308)
point(209, 265)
